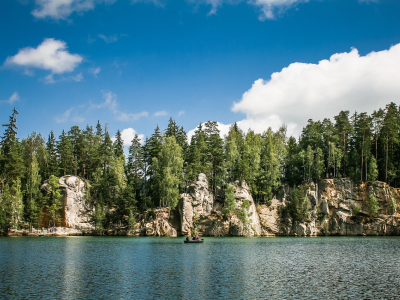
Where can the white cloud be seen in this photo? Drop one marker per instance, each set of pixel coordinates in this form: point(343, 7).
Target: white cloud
point(50, 55)
point(110, 102)
point(181, 113)
point(155, 2)
point(50, 78)
point(347, 81)
point(160, 113)
point(268, 8)
point(128, 134)
point(95, 71)
point(112, 38)
point(66, 117)
point(78, 77)
point(131, 117)
point(62, 9)
point(13, 98)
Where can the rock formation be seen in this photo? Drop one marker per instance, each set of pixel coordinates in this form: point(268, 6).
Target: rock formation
point(197, 202)
point(335, 207)
point(76, 212)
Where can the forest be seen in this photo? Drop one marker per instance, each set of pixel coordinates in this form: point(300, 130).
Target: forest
point(157, 170)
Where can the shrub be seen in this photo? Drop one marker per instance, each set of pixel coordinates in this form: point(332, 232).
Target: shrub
point(392, 206)
point(230, 202)
point(372, 205)
point(355, 210)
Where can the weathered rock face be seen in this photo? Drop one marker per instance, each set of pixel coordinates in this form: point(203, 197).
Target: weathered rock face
point(331, 207)
point(198, 202)
point(77, 212)
point(201, 215)
point(156, 223)
point(332, 202)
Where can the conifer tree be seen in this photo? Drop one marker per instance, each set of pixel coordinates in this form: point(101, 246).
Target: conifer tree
point(65, 155)
point(215, 154)
point(167, 168)
point(136, 163)
point(11, 159)
point(118, 145)
point(52, 166)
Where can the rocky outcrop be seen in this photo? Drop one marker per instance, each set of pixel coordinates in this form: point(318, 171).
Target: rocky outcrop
point(201, 215)
point(155, 223)
point(333, 203)
point(197, 202)
point(76, 211)
point(335, 207)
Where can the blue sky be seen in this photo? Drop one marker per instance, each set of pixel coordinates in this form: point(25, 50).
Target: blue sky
point(135, 64)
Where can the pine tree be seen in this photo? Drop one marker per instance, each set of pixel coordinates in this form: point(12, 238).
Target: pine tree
point(32, 178)
point(136, 162)
point(168, 172)
point(52, 167)
point(11, 159)
point(53, 200)
point(118, 145)
point(65, 155)
point(215, 154)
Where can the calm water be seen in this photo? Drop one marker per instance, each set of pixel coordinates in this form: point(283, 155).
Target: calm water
point(220, 268)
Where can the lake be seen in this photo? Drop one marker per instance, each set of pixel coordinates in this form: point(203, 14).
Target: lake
point(220, 268)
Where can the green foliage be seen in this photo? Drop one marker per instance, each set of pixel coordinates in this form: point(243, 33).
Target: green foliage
point(230, 201)
point(355, 211)
point(392, 206)
point(167, 170)
point(372, 205)
point(53, 199)
point(131, 221)
point(246, 205)
point(242, 216)
point(299, 205)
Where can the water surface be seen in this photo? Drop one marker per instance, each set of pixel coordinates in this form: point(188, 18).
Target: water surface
point(220, 268)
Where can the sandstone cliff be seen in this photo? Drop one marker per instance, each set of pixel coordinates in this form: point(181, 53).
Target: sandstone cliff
point(335, 207)
point(76, 212)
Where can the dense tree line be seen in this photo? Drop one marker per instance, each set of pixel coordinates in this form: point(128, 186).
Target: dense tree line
point(360, 146)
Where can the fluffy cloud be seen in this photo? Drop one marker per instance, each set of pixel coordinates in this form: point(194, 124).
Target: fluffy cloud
point(160, 113)
point(50, 55)
point(181, 113)
point(13, 98)
point(347, 81)
point(62, 9)
point(128, 134)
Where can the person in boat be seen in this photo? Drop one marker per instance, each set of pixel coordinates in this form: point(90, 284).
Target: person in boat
point(187, 238)
point(194, 238)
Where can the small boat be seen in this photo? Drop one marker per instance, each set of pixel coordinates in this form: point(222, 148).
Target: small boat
point(194, 241)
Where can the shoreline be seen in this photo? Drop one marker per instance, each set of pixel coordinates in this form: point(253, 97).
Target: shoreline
point(70, 232)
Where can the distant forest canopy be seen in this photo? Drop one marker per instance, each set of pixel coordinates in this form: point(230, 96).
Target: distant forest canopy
point(360, 146)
